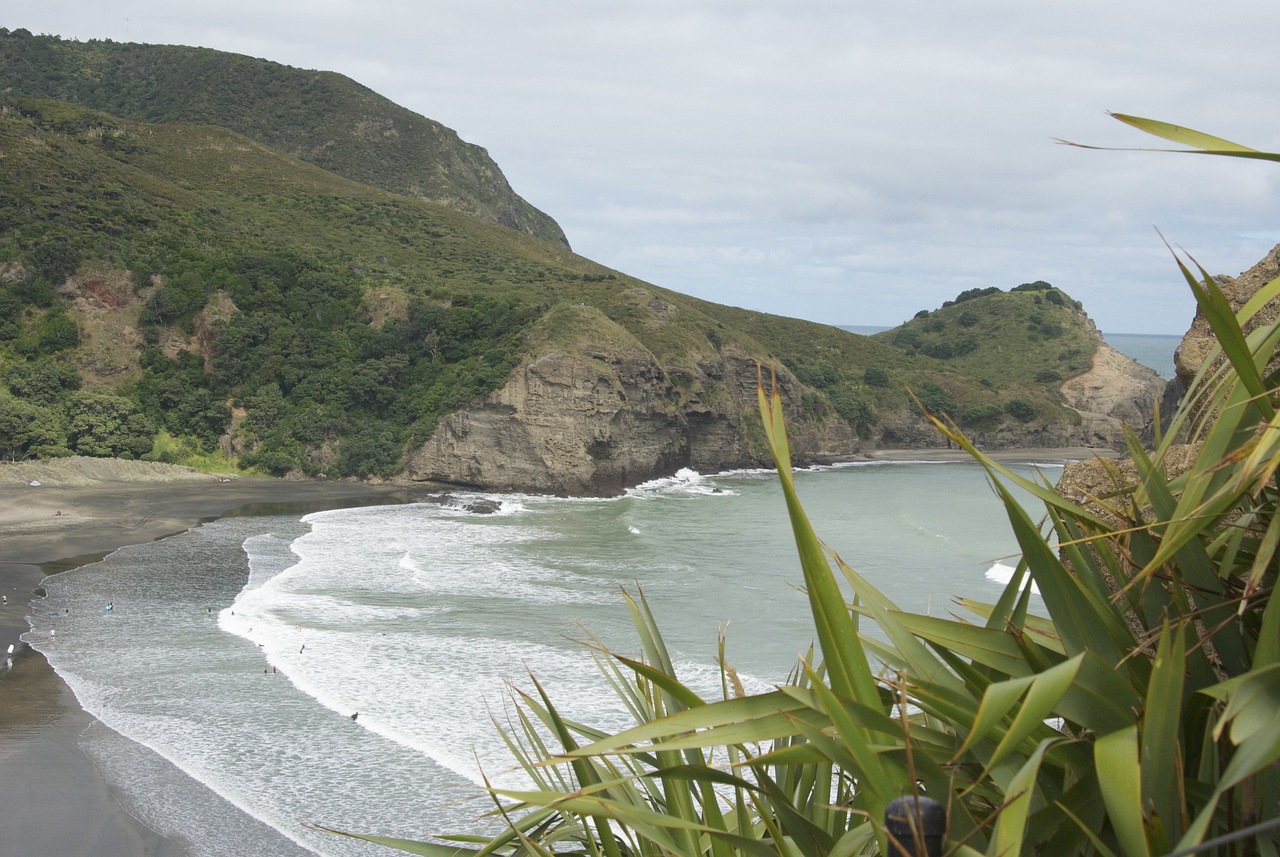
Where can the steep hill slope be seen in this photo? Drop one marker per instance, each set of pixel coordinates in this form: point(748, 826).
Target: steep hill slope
point(320, 117)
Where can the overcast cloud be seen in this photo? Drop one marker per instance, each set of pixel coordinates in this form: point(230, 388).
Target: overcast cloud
point(845, 162)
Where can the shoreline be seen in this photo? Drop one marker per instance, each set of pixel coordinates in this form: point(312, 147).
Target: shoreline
point(1055, 453)
point(55, 801)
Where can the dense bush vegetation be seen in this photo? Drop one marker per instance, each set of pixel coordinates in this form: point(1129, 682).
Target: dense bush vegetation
point(324, 390)
point(311, 370)
point(1021, 409)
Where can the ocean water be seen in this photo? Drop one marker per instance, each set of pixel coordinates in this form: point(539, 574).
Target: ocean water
point(1149, 349)
point(233, 656)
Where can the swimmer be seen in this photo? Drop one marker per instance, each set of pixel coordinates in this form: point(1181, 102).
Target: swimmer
point(354, 716)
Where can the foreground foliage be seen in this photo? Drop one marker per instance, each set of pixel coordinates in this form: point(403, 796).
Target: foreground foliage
point(1141, 717)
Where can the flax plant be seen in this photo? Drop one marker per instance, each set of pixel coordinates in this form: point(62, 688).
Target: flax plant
point(1140, 717)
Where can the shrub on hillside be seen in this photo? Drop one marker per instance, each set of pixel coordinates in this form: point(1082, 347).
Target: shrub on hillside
point(106, 425)
point(853, 409)
point(985, 416)
point(1020, 409)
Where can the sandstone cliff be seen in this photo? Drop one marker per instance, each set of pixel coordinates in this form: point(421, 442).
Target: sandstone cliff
point(1116, 392)
point(591, 411)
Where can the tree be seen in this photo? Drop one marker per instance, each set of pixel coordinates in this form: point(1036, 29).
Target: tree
point(985, 416)
point(42, 381)
point(57, 332)
point(175, 394)
point(104, 424)
point(853, 409)
point(55, 261)
point(28, 430)
point(936, 399)
point(372, 450)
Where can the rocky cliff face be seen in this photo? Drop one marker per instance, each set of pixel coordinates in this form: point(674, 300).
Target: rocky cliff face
point(596, 412)
point(1116, 392)
point(1198, 342)
point(1090, 479)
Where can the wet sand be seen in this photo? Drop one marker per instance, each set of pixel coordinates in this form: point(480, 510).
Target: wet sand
point(53, 800)
point(1056, 454)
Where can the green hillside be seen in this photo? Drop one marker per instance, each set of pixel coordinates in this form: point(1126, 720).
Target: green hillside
point(320, 117)
point(1031, 338)
point(183, 292)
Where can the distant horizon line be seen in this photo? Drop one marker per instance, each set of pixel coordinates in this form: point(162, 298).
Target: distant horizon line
point(876, 328)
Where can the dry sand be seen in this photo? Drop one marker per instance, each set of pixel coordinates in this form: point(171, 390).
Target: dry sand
point(53, 801)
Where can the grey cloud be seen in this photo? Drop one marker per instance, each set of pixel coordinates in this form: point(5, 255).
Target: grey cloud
point(833, 160)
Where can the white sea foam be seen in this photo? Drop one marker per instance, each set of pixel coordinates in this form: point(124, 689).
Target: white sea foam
point(354, 603)
point(1002, 574)
point(684, 481)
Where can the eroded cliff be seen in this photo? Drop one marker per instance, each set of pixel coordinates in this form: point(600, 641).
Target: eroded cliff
point(1116, 392)
point(591, 411)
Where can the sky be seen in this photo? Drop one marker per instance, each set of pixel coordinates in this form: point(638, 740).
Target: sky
point(841, 161)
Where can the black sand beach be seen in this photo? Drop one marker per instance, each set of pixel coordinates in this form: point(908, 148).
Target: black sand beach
point(53, 801)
